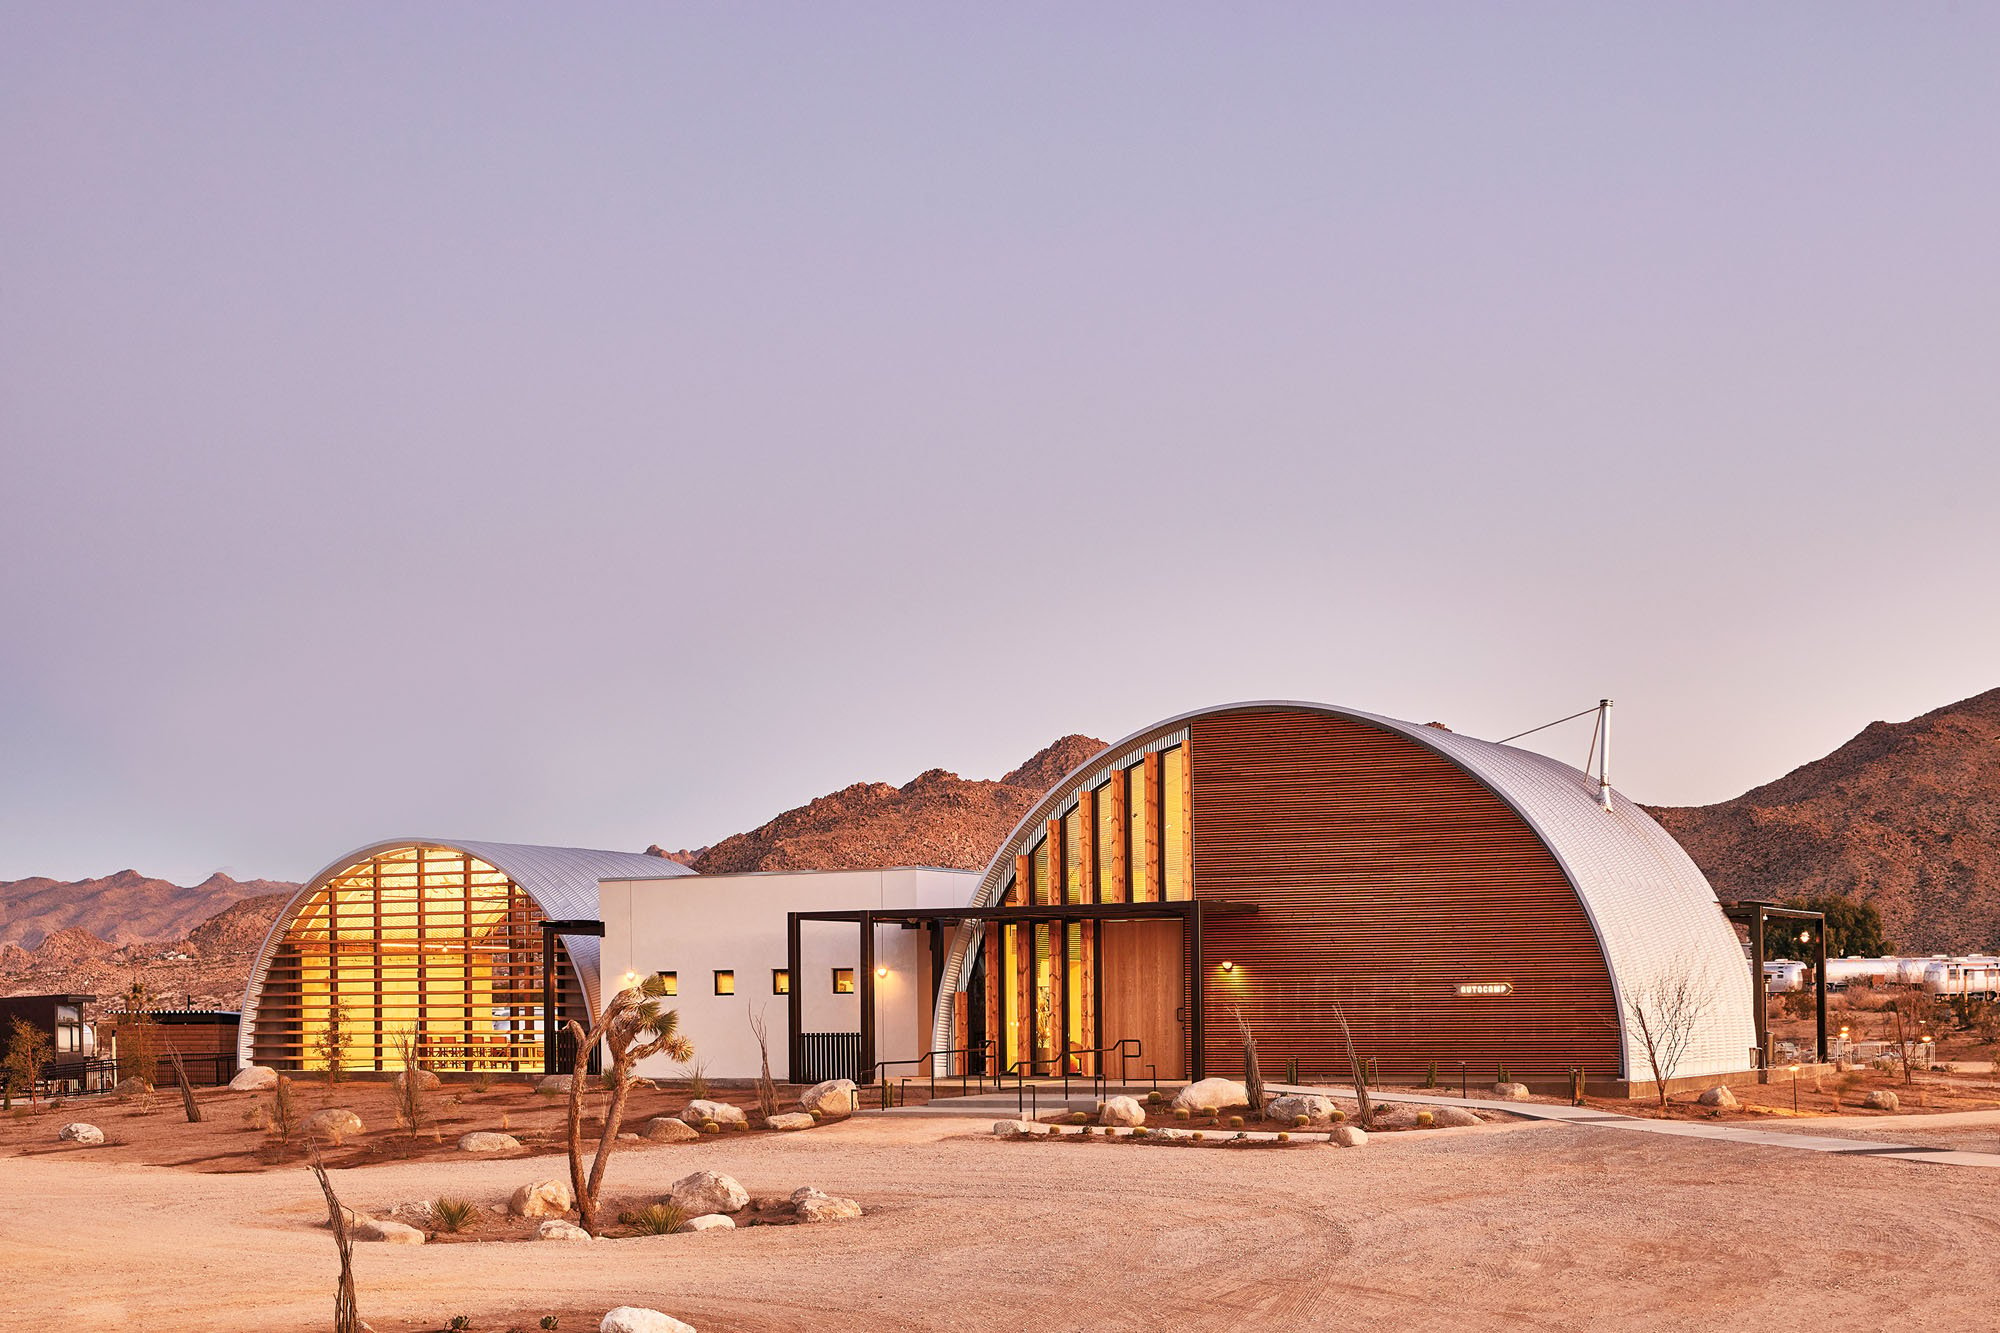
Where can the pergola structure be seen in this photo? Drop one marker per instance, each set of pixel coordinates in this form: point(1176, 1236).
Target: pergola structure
point(1753, 913)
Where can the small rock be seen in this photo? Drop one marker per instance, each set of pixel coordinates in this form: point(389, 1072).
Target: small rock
point(425, 1080)
point(556, 1229)
point(791, 1120)
point(1088, 1105)
point(813, 1206)
point(393, 1233)
point(722, 1113)
point(1006, 1127)
point(1456, 1116)
point(707, 1192)
point(544, 1198)
point(1172, 1133)
point(487, 1141)
point(707, 1222)
point(637, 1319)
point(1717, 1096)
point(334, 1124)
point(1122, 1111)
point(417, 1212)
point(555, 1083)
point(1511, 1092)
point(669, 1129)
point(78, 1132)
point(1882, 1100)
point(254, 1078)
point(832, 1099)
point(1288, 1108)
point(1212, 1094)
point(1350, 1136)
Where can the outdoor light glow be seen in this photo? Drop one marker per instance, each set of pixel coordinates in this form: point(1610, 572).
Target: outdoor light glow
point(881, 972)
point(1228, 966)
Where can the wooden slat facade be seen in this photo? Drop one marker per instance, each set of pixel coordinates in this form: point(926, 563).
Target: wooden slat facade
point(1384, 878)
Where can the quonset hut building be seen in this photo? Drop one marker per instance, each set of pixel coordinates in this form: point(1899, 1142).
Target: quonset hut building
point(1319, 872)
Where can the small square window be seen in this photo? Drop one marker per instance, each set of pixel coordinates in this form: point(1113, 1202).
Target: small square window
point(781, 981)
point(843, 981)
point(671, 981)
point(725, 981)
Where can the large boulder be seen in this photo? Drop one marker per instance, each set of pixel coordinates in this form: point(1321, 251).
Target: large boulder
point(670, 1129)
point(700, 1111)
point(1288, 1108)
point(335, 1124)
point(707, 1192)
point(132, 1087)
point(393, 1233)
point(1211, 1094)
point(1394, 1115)
point(1455, 1117)
point(483, 1140)
point(813, 1206)
point(553, 1083)
point(829, 1100)
point(1124, 1111)
point(1351, 1136)
point(254, 1078)
point(1717, 1096)
point(790, 1120)
point(1511, 1092)
point(426, 1080)
point(1882, 1100)
point(78, 1132)
point(541, 1198)
point(556, 1229)
point(637, 1319)
point(707, 1222)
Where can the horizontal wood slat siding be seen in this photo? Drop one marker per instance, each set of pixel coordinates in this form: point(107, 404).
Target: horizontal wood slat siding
point(1384, 877)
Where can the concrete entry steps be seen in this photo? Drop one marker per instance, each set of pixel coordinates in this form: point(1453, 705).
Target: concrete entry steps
point(1004, 1105)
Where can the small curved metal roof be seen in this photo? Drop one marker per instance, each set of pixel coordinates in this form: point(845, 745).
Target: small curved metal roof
point(1657, 920)
point(561, 880)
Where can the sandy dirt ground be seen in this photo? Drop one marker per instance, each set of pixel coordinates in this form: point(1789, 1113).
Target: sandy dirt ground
point(1519, 1226)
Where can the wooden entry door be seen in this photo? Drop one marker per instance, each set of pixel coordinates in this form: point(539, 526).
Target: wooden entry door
point(1144, 993)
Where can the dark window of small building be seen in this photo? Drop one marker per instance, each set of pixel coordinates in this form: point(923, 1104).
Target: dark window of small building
point(843, 981)
point(725, 981)
point(672, 982)
point(781, 981)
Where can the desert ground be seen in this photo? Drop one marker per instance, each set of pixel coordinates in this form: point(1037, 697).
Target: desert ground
point(1512, 1224)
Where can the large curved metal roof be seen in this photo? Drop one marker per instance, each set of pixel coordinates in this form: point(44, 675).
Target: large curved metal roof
point(561, 880)
point(1657, 920)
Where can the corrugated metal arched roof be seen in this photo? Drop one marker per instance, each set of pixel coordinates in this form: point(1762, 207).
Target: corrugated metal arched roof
point(1655, 915)
point(561, 880)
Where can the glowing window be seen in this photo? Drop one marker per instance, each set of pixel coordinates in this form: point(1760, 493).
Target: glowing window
point(843, 981)
point(781, 981)
point(671, 981)
point(725, 981)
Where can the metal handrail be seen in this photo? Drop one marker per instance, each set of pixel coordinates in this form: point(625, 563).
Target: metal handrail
point(878, 1072)
point(1128, 1049)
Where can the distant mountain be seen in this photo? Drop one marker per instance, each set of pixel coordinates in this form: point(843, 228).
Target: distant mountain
point(1906, 816)
point(124, 908)
point(935, 819)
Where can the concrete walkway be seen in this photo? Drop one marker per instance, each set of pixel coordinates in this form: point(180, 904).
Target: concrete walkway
point(1003, 1105)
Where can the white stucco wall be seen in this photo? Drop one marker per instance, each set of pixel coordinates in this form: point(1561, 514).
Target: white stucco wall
point(694, 925)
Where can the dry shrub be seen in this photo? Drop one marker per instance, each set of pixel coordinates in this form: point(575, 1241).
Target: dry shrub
point(656, 1219)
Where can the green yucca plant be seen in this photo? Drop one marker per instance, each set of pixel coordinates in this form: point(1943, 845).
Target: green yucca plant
point(655, 1219)
point(453, 1214)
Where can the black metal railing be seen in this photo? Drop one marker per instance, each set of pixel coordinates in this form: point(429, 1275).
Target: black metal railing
point(987, 1051)
point(829, 1055)
point(1127, 1048)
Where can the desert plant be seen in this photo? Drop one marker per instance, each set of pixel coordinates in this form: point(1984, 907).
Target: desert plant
point(1355, 1069)
point(459, 1323)
point(655, 1219)
point(345, 1317)
point(710, 1127)
point(1196, 1136)
point(1079, 1117)
point(189, 1107)
point(1431, 1074)
point(1301, 1121)
point(453, 1214)
point(767, 1090)
point(1425, 1119)
point(548, 1322)
point(1253, 1077)
point(1667, 1014)
point(482, 1081)
point(1914, 1014)
point(284, 1110)
point(1236, 1122)
point(1338, 1115)
point(632, 1028)
point(28, 1049)
point(138, 1037)
point(1284, 1137)
point(697, 1078)
point(1500, 1074)
point(413, 1099)
point(1155, 1097)
point(330, 1044)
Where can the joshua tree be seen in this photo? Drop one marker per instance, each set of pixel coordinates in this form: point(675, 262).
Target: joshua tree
point(1667, 1014)
point(632, 1027)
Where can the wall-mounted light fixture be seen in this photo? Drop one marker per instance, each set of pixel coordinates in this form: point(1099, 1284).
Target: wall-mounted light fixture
point(1228, 966)
point(881, 972)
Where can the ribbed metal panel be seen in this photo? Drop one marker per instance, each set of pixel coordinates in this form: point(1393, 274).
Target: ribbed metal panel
point(561, 880)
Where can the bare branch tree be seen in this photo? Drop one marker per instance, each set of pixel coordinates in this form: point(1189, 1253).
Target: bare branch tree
point(1253, 1077)
point(1915, 1014)
point(632, 1028)
point(767, 1091)
point(345, 1317)
point(1364, 1109)
point(1667, 1014)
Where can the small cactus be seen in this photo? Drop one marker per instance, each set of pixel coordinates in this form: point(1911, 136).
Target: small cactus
point(1339, 1115)
point(1197, 1136)
point(1426, 1119)
point(1181, 1113)
point(710, 1127)
point(1155, 1097)
point(1079, 1117)
point(1236, 1122)
point(1301, 1121)
point(1284, 1137)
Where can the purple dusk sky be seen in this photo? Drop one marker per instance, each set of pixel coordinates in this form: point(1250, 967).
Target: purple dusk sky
point(606, 424)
